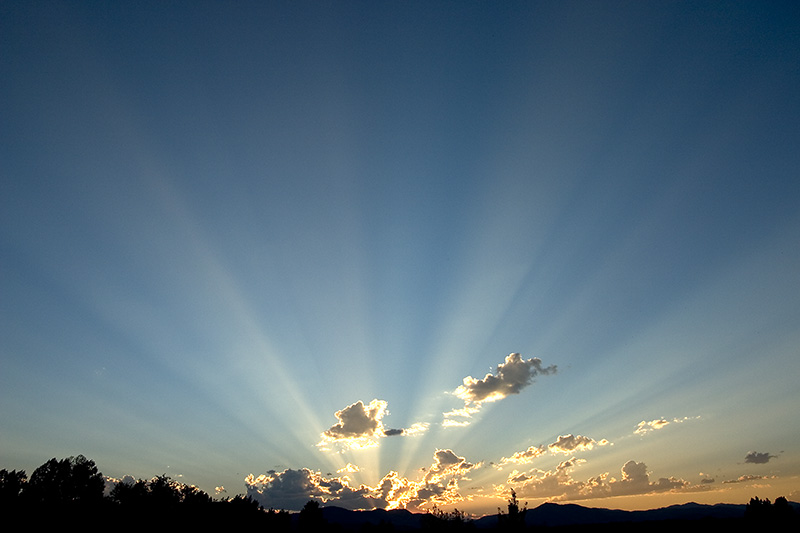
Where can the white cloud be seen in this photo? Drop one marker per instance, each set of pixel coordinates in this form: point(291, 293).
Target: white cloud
point(361, 426)
point(291, 489)
point(644, 427)
point(745, 479)
point(439, 486)
point(415, 429)
point(449, 423)
point(565, 444)
point(568, 444)
point(446, 462)
point(524, 457)
point(511, 377)
point(559, 485)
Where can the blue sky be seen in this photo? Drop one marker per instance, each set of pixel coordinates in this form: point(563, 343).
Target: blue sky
point(267, 246)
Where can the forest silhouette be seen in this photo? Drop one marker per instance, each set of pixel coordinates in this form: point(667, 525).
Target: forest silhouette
point(72, 492)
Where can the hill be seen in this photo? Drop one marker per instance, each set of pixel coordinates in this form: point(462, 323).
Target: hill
point(552, 515)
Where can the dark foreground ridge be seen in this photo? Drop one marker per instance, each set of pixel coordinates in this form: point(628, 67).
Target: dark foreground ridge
point(570, 517)
point(72, 492)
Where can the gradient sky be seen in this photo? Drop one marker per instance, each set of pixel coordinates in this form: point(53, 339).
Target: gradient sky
point(287, 248)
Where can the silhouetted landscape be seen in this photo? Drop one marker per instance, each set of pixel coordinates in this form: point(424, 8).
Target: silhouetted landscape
point(74, 492)
point(364, 265)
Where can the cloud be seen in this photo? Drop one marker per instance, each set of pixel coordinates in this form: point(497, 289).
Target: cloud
point(349, 467)
point(448, 423)
point(636, 480)
point(559, 485)
point(745, 478)
point(565, 444)
point(439, 486)
point(512, 375)
point(644, 427)
point(445, 463)
point(758, 457)
point(360, 426)
point(291, 489)
point(111, 482)
point(568, 444)
point(524, 457)
point(415, 429)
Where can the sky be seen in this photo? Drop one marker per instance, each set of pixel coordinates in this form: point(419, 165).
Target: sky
point(405, 254)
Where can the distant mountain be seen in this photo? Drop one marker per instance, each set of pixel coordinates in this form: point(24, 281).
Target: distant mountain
point(569, 514)
point(547, 514)
point(400, 519)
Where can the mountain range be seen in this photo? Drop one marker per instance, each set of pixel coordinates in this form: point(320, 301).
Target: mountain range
point(548, 514)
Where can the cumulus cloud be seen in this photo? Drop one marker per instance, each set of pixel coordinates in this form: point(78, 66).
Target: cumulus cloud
point(559, 485)
point(445, 463)
point(565, 444)
point(644, 427)
point(291, 489)
point(415, 429)
point(758, 457)
point(439, 486)
point(525, 456)
point(636, 480)
point(745, 478)
point(705, 479)
point(349, 467)
point(450, 423)
point(568, 444)
point(512, 375)
point(361, 426)
point(111, 482)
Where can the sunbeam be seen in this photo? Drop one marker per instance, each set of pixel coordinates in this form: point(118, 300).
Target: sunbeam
point(404, 256)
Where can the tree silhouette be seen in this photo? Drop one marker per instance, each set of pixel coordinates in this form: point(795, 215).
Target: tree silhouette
point(765, 512)
point(311, 518)
point(440, 520)
point(73, 480)
point(515, 519)
point(130, 494)
point(164, 492)
point(12, 484)
point(69, 492)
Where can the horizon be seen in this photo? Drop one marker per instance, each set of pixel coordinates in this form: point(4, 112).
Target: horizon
point(405, 254)
point(50, 477)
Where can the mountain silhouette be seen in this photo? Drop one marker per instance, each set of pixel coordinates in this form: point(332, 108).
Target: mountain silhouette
point(553, 514)
point(547, 515)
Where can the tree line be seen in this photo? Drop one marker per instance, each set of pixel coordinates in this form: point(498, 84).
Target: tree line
point(72, 491)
